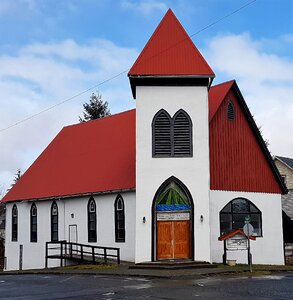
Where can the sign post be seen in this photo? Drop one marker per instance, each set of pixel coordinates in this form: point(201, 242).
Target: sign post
point(248, 230)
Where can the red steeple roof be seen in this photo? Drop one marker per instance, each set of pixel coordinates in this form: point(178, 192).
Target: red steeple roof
point(170, 51)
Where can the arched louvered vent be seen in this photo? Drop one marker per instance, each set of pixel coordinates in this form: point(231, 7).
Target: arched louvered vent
point(182, 134)
point(230, 111)
point(162, 134)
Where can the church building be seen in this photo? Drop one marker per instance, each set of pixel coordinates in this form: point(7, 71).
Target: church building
point(161, 182)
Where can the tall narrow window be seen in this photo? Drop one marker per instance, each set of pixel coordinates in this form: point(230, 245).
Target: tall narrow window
point(230, 111)
point(92, 220)
point(14, 223)
point(162, 134)
point(119, 220)
point(54, 222)
point(182, 130)
point(34, 218)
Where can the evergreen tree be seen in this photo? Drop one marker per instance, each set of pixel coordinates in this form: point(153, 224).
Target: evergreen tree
point(95, 109)
point(16, 177)
point(265, 140)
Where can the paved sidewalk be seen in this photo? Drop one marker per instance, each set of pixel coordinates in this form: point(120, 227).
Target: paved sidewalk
point(123, 270)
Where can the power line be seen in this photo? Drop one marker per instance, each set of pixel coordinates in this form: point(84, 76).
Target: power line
point(62, 102)
point(223, 18)
point(123, 72)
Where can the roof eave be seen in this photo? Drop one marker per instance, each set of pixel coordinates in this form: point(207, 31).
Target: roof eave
point(260, 140)
point(160, 78)
point(64, 197)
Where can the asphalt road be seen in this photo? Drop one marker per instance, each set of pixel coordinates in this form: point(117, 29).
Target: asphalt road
point(106, 287)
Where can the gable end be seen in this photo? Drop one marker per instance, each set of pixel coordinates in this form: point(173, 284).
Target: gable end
point(239, 158)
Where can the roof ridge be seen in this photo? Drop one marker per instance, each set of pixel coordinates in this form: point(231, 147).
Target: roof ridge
point(225, 82)
point(188, 38)
point(149, 41)
point(99, 119)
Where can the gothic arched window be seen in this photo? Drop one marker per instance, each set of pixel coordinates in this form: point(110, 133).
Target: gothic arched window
point(14, 223)
point(34, 219)
point(119, 219)
point(182, 134)
point(230, 111)
point(54, 222)
point(172, 136)
point(92, 220)
point(162, 134)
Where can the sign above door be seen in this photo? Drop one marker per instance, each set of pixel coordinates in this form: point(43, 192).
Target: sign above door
point(183, 216)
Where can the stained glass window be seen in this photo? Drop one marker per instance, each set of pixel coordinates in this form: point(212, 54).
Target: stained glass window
point(172, 198)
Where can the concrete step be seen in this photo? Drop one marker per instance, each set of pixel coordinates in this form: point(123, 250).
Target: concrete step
point(172, 265)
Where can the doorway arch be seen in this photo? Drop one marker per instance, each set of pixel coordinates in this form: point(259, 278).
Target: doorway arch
point(172, 222)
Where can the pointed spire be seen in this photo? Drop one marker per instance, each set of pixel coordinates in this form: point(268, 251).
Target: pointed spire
point(169, 52)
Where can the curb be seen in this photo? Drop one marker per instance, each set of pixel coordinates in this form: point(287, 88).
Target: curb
point(165, 276)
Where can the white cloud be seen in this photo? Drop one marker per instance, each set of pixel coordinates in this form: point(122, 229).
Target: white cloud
point(41, 75)
point(16, 6)
point(146, 7)
point(239, 54)
point(266, 81)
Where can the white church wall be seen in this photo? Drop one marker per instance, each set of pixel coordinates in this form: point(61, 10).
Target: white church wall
point(105, 222)
point(152, 172)
point(34, 253)
point(272, 239)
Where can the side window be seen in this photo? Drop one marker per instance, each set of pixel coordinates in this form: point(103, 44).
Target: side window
point(172, 136)
point(34, 222)
point(119, 219)
point(54, 222)
point(230, 111)
point(14, 223)
point(236, 212)
point(92, 220)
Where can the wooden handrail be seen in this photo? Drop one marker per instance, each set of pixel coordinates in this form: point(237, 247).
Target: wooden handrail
point(80, 253)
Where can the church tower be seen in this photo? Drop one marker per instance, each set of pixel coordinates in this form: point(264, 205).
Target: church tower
point(170, 81)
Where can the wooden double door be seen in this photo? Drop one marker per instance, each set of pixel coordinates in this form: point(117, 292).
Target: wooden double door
point(173, 239)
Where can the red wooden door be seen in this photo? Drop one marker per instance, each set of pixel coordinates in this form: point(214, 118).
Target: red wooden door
point(164, 240)
point(173, 239)
point(181, 239)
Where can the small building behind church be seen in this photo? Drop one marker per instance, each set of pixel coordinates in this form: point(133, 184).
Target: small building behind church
point(161, 182)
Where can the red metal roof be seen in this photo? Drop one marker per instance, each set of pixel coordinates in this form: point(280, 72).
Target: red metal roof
point(95, 156)
point(99, 156)
point(170, 51)
point(239, 158)
point(216, 96)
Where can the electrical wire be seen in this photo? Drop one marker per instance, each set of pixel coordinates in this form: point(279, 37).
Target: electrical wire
point(123, 72)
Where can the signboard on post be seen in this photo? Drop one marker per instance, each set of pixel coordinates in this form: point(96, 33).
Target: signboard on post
point(237, 242)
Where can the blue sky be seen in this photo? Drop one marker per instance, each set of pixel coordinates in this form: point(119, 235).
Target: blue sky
point(51, 50)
